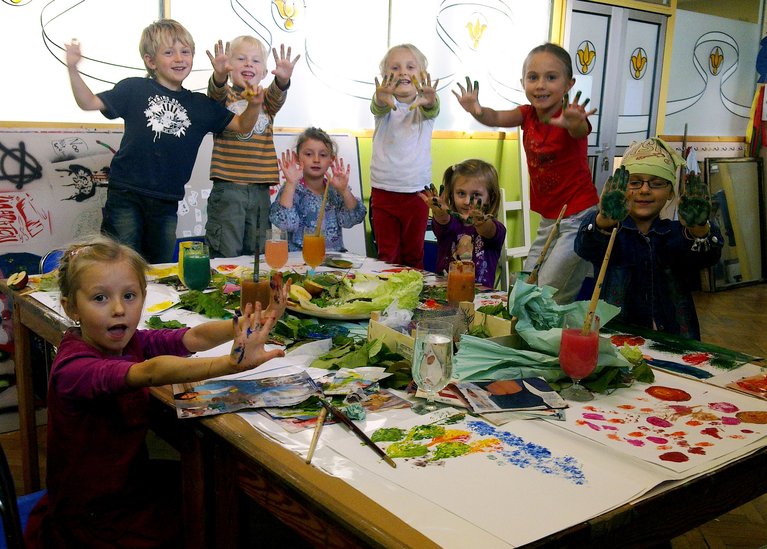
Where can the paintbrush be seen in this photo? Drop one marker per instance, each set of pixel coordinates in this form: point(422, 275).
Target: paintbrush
point(533, 278)
point(343, 418)
point(321, 213)
point(316, 435)
point(598, 286)
point(257, 260)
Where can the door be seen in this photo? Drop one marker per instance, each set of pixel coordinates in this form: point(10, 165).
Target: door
point(617, 60)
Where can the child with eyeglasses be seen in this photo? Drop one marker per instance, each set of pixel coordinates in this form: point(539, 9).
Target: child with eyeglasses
point(654, 261)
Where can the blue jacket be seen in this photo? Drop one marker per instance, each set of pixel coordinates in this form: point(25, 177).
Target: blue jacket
point(650, 277)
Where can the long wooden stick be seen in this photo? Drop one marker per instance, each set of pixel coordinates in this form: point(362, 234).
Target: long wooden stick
point(321, 213)
point(533, 278)
point(316, 436)
point(598, 286)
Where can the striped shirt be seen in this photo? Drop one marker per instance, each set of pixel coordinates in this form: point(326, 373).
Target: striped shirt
point(250, 158)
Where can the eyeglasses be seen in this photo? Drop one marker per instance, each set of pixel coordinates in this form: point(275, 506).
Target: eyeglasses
point(636, 184)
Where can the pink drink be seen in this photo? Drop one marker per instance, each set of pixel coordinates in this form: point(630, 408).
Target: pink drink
point(578, 353)
point(276, 253)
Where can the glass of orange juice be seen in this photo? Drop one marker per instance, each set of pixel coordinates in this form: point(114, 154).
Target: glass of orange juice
point(314, 248)
point(276, 248)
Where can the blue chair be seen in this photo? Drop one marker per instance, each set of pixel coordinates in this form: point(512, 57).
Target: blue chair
point(50, 261)
point(15, 512)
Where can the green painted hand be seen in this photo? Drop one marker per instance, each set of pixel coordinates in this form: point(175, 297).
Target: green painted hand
point(614, 204)
point(695, 204)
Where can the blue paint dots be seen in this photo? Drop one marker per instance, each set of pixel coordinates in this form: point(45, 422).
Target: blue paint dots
point(525, 455)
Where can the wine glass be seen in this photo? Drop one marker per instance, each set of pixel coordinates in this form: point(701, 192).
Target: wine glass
point(313, 248)
point(578, 354)
point(432, 360)
point(276, 248)
point(196, 266)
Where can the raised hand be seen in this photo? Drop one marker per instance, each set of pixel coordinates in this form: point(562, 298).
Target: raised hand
point(469, 98)
point(220, 61)
point(614, 204)
point(477, 212)
point(427, 93)
point(573, 114)
point(695, 203)
point(254, 96)
point(385, 91)
point(339, 177)
point(290, 167)
point(283, 65)
point(434, 200)
point(250, 334)
point(73, 53)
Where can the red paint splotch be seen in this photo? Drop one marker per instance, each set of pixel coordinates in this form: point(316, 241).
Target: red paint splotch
point(696, 358)
point(711, 431)
point(697, 450)
point(668, 393)
point(675, 457)
point(619, 340)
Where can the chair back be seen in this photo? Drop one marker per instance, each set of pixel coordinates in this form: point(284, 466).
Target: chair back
point(9, 508)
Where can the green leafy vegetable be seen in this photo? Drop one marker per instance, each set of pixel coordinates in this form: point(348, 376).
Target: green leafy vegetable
point(156, 323)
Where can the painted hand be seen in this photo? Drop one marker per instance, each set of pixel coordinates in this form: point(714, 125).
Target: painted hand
point(427, 93)
point(283, 65)
point(573, 114)
point(339, 177)
point(695, 203)
point(614, 203)
point(249, 338)
point(385, 91)
point(469, 97)
point(477, 212)
point(220, 60)
point(290, 167)
point(434, 200)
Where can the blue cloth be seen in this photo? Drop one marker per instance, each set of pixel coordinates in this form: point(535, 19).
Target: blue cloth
point(485, 251)
point(304, 213)
point(650, 277)
point(163, 131)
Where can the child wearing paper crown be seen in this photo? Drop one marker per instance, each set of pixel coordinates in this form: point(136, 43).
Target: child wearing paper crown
point(654, 260)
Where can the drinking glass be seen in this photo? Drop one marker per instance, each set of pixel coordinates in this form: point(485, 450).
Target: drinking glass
point(578, 354)
point(460, 282)
point(196, 266)
point(276, 248)
point(432, 360)
point(314, 248)
point(252, 290)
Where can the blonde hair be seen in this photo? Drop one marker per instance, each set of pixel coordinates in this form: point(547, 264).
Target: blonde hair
point(246, 40)
point(483, 172)
point(419, 56)
point(164, 32)
point(96, 249)
point(317, 134)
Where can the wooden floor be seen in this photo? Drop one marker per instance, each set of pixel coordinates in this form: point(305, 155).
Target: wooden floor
point(734, 318)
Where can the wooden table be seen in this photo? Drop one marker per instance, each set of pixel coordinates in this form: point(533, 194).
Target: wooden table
point(224, 458)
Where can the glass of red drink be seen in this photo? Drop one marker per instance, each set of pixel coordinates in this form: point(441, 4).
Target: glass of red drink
point(578, 353)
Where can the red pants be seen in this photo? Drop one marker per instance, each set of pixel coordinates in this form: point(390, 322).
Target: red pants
point(399, 225)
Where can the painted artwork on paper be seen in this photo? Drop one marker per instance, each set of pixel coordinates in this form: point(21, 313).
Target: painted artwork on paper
point(673, 422)
point(513, 470)
point(681, 356)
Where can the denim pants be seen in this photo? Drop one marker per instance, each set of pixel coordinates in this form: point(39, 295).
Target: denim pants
point(148, 225)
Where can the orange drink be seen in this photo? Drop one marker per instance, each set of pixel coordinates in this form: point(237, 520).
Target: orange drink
point(252, 291)
point(460, 282)
point(314, 249)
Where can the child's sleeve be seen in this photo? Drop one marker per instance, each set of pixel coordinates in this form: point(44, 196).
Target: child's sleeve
point(591, 242)
point(432, 111)
point(349, 218)
point(217, 93)
point(285, 218)
point(378, 111)
point(695, 253)
point(499, 240)
point(275, 98)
